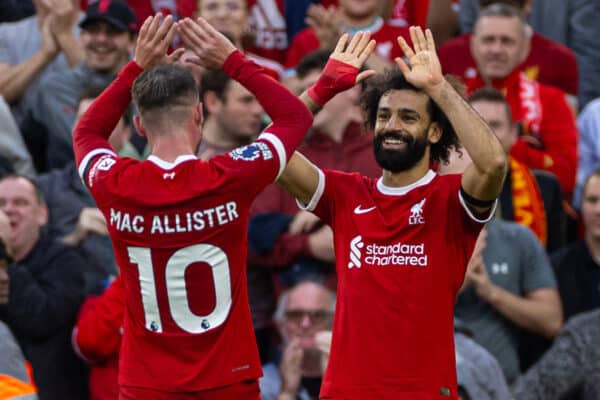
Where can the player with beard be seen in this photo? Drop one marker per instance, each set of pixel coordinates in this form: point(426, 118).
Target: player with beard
point(402, 241)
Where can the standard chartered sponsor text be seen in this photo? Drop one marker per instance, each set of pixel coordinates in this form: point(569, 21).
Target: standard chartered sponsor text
point(396, 255)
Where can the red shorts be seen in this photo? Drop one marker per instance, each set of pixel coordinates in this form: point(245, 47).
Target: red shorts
point(247, 390)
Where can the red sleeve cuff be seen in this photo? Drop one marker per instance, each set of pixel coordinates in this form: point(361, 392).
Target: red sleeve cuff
point(233, 63)
point(130, 72)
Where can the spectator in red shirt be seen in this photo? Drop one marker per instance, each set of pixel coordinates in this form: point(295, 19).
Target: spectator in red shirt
point(540, 64)
point(548, 137)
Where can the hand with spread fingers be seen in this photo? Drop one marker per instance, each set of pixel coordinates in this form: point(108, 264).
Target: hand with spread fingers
point(355, 53)
point(210, 45)
point(423, 69)
point(154, 39)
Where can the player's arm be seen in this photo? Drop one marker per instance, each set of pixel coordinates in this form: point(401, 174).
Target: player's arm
point(482, 180)
point(90, 137)
point(301, 178)
point(290, 117)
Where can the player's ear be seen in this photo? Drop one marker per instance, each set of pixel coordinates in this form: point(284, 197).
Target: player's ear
point(139, 128)
point(434, 133)
point(211, 102)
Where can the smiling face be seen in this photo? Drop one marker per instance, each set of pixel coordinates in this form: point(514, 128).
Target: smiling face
point(402, 130)
point(498, 45)
point(106, 48)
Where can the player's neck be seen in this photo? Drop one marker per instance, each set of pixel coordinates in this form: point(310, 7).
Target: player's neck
point(405, 178)
point(169, 147)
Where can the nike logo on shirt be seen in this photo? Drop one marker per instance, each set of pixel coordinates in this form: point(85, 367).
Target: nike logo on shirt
point(359, 210)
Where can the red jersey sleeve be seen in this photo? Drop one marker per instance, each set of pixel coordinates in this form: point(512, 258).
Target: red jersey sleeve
point(90, 138)
point(97, 334)
point(291, 119)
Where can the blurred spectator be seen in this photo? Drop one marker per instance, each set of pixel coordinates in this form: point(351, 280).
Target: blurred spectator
point(570, 22)
point(304, 317)
point(14, 378)
point(588, 124)
point(548, 137)
point(107, 35)
point(231, 17)
point(529, 199)
point(97, 339)
point(232, 115)
point(577, 266)
point(47, 285)
point(12, 147)
point(15, 10)
point(35, 47)
point(542, 56)
point(508, 286)
point(479, 374)
point(571, 365)
point(284, 239)
point(326, 26)
point(73, 215)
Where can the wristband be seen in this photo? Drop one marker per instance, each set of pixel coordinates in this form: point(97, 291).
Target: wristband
point(336, 77)
point(476, 202)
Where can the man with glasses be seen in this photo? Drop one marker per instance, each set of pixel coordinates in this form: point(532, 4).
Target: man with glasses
point(304, 317)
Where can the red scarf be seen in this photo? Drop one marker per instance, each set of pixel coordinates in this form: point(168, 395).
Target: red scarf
point(523, 96)
point(528, 206)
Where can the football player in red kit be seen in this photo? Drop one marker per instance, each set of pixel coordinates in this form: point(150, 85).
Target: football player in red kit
point(402, 241)
point(179, 224)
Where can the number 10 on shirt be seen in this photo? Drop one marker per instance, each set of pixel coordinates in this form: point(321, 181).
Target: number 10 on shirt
point(177, 289)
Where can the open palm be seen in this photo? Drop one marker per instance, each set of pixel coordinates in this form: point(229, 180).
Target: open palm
point(355, 53)
point(424, 69)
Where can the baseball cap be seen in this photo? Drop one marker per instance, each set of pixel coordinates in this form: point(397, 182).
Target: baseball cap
point(115, 12)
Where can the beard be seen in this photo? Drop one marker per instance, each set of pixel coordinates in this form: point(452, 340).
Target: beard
point(400, 160)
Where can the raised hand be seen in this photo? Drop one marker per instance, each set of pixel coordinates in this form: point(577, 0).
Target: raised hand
point(355, 53)
point(154, 40)
point(64, 15)
point(210, 45)
point(425, 71)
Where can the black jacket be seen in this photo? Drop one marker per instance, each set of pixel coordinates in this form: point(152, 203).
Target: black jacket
point(46, 290)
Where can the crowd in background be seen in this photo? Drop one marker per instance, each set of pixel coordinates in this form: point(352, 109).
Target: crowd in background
point(527, 318)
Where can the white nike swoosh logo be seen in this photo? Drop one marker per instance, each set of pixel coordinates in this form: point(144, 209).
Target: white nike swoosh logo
point(359, 210)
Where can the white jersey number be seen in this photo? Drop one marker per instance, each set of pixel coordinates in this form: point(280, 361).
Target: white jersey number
point(177, 290)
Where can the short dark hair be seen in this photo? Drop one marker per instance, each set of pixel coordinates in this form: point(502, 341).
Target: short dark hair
point(94, 91)
point(39, 194)
point(491, 95)
point(163, 86)
point(314, 60)
point(394, 80)
point(215, 81)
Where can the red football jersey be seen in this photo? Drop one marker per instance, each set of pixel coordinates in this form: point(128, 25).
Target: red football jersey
point(270, 28)
point(179, 233)
point(401, 256)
